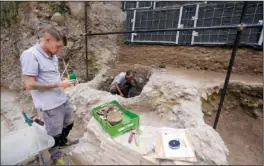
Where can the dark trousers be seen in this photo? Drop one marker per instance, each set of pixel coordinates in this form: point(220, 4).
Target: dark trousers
point(125, 89)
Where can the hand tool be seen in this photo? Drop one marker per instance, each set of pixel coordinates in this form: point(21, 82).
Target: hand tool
point(27, 120)
point(136, 140)
point(138, 132)
point(65, 66)
point(131, 137)
point(65, 69)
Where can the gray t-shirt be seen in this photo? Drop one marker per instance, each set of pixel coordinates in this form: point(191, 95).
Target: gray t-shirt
point(35, 62)
point(119, 79)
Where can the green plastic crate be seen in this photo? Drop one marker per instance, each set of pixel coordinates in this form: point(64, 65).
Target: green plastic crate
point(130, 120)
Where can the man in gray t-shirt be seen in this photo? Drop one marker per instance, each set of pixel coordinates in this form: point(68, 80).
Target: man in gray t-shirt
point(41, 76)
point(122, 83)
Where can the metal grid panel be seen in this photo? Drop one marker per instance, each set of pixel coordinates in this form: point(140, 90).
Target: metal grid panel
point(144, 4)
point(187, 14)
point(228, 13)
point(128, 24)
point(174, 3)
point(129, 4)
point(254, 14)
point(166, 14)
point(216, 14)
point(161, 19)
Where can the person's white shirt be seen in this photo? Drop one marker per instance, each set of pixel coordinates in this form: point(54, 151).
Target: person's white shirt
point(119, 79)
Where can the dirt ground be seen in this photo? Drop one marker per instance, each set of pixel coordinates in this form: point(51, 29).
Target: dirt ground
point(248, 61)
point(241, 132)
point(238, 132)
point(239, 127)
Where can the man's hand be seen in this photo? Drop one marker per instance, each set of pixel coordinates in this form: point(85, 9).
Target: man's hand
point(77, 82)
point(118, 89)
point(66, 83)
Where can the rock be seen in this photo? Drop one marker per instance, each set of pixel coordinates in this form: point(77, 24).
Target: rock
point(208, 113)
point(163, 70)
point(173, 119)
point(58, 18)
point(77, 9)
point(140, 80)
point(258, 113)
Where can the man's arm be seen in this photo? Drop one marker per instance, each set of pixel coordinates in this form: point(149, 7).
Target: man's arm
point(32, 84)
point(30, 71)
point(117, 87)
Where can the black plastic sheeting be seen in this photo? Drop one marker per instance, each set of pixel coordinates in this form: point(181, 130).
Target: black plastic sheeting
point(166, 15)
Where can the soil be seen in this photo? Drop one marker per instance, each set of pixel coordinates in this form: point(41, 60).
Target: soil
point(199, 58)
point(241, 131)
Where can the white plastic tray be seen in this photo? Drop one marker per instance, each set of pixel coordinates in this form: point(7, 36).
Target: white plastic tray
point(23, 144)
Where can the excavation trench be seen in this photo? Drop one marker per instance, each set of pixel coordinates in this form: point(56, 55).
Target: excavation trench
point(142, 75)
point(240, 121)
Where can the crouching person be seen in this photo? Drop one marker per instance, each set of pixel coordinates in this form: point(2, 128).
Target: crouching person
point(121, 84)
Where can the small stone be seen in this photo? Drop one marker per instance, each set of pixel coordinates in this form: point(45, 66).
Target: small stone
point(140, 80)
point(173, 119)
point(209, 113)
point(163, 70)
point(58, 18)
point(258, 113)
point(74, 107)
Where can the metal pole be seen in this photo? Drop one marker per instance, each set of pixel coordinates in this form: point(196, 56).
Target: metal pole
point(179, 25)
point(261, 34)
point(195, 18)
point(134, 22)
point(86, 39)
point(178, 29)
point(231, 62)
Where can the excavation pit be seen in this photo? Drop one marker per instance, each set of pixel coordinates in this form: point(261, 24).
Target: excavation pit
point(240, 121)
point(142, 75)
